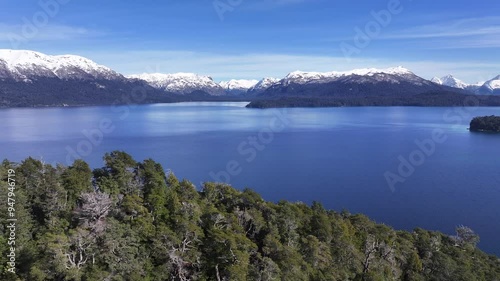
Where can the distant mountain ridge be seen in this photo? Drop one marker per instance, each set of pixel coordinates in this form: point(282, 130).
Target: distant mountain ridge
point(363, 87)
point(488, 88)
point(360, 82)
point(300, 77)
point(29, 78)
point(263, 84)
point(23, 65)
point(491, 86)
point(450, 81)
point(237, 86)
point(181, 83)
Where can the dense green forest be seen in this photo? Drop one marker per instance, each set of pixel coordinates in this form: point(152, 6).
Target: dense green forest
point(133, 221)
point(45, 92)
point(485, 124)
point(424, 99)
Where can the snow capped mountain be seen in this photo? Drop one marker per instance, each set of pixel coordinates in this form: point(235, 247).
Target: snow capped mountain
point(29, 78)
point(264, 84)
point(24, 65)
point(395, 81)
point(489, 87)
point(450, 81)
point(181, 83)
point(437, 80)
point(237, 86)
point(493, 84)
point(299, 77)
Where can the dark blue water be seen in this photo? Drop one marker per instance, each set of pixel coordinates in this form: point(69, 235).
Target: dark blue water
point(338, 156)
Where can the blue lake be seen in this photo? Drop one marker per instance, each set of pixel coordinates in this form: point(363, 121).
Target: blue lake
point(338, 156)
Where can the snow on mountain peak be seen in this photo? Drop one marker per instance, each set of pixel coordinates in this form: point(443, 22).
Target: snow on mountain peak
point(450, 81)
point(240, 84)
point(152, 77)
point(266, 83)
point(493, 84)
point(437, 80)
point(263, 84)
point(25, 64)
point(183, 83)
point(301, 77)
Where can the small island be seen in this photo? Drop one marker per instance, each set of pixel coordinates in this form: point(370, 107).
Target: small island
point(489, 124)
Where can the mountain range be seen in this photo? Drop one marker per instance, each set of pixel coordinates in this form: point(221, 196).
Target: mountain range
point(488, 88)
point(29, 78)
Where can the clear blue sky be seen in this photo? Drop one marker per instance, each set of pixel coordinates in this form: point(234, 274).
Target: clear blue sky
point(257, 38)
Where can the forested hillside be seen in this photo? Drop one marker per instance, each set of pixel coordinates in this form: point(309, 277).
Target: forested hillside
point(424, 99)
point(54, 92)
point(131, 221)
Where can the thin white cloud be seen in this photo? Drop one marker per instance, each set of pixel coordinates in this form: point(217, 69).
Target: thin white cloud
point(457, 28)
point(457, 34)
point(25, 32)
point(486, 42)
point(491, 30)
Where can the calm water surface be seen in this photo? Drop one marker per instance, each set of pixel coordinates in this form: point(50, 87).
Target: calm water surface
point(334, 155)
